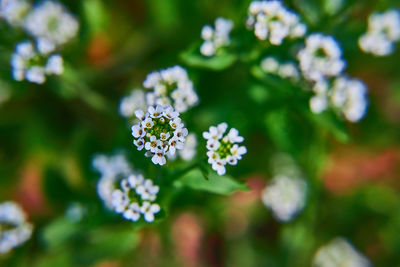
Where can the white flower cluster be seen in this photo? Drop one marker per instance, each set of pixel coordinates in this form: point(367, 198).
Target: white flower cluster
point(223, 149)
point(171, 86)
point(215, 38)
point(339, 252)
point(132, 102)
point(136, 197)
point(383, 32)
point(52, 24)
point(347, 96)
point(285, 197)
point(285, 70)
point(273, 21)
point(320, 58)
point(159, 131)
point(14, 11)
point(112, 170)
point(30, 64)
point(14, 229)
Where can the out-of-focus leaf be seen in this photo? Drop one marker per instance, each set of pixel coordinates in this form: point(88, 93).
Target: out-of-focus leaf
point(59, 232)
point(106, 243)
point(95, 14)
point(223, 60)
point(332, 7)
point(259, 93)
point(223, 185)
point(58, 192)
point(332, 124)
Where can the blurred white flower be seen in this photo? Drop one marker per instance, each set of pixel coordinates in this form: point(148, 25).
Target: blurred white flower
point(160, 132)
point(320, 58)
point(14, 11)
point(171, 86)
point(223, 149)
point(134, 197)
point(339, 253)
point(285, 70)
point(349, 96)
point(285, 197)
point(14, 229)
point(112, 170)
point(273, 21)
point(27, 63)
point(52, 22)
point(215, 38)
point(132, 102)
point(383, 32)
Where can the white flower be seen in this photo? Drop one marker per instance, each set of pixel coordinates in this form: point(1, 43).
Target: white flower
point(270, 65)
point(285, 197)
point(132, 213)
point(132, 102)
point(272, 21)
point(383, 32)
point(35, 74)
point(148, 210)
point(215, 39)
point(28, 64)
point(219, 166)
point(55, 65)
point(318, 103)
point(136, 198)
point(349, 96)
point(112, 169)
point(189, 149)
point(160, 131)
point(222, 149)
point(286, 70)
point(17, 230)
point(320, 58)
point(170, 86)
point(339, 252)
point(52, 22)
point(159, 157)
point(14, 11)
point(147, 190)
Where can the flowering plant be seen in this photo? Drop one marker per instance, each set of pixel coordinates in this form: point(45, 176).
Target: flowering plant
point(197, 133)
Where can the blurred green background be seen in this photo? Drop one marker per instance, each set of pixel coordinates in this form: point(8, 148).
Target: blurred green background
point(49, 133)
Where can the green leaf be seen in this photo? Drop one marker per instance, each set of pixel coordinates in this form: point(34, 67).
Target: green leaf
point(59, 232)
point(109, 242)
point(220, 61)
point(224, 185)
point(95, 14)
point(330, 122)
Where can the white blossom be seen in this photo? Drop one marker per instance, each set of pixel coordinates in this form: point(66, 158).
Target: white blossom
point(383, 31)
point(223, 149)
point(170, 86)
point(160, 132)
point(215, 38)
point(285, 197)
point(112, 169)
point(132, 102)
point(339, 253)
point(349, 96)
point(285, 70)
point(27, 63)
point(135, 197)
point(52, 22)
point(14, 11)
point(272, 21)
point(320, 58)
point(17, 230)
